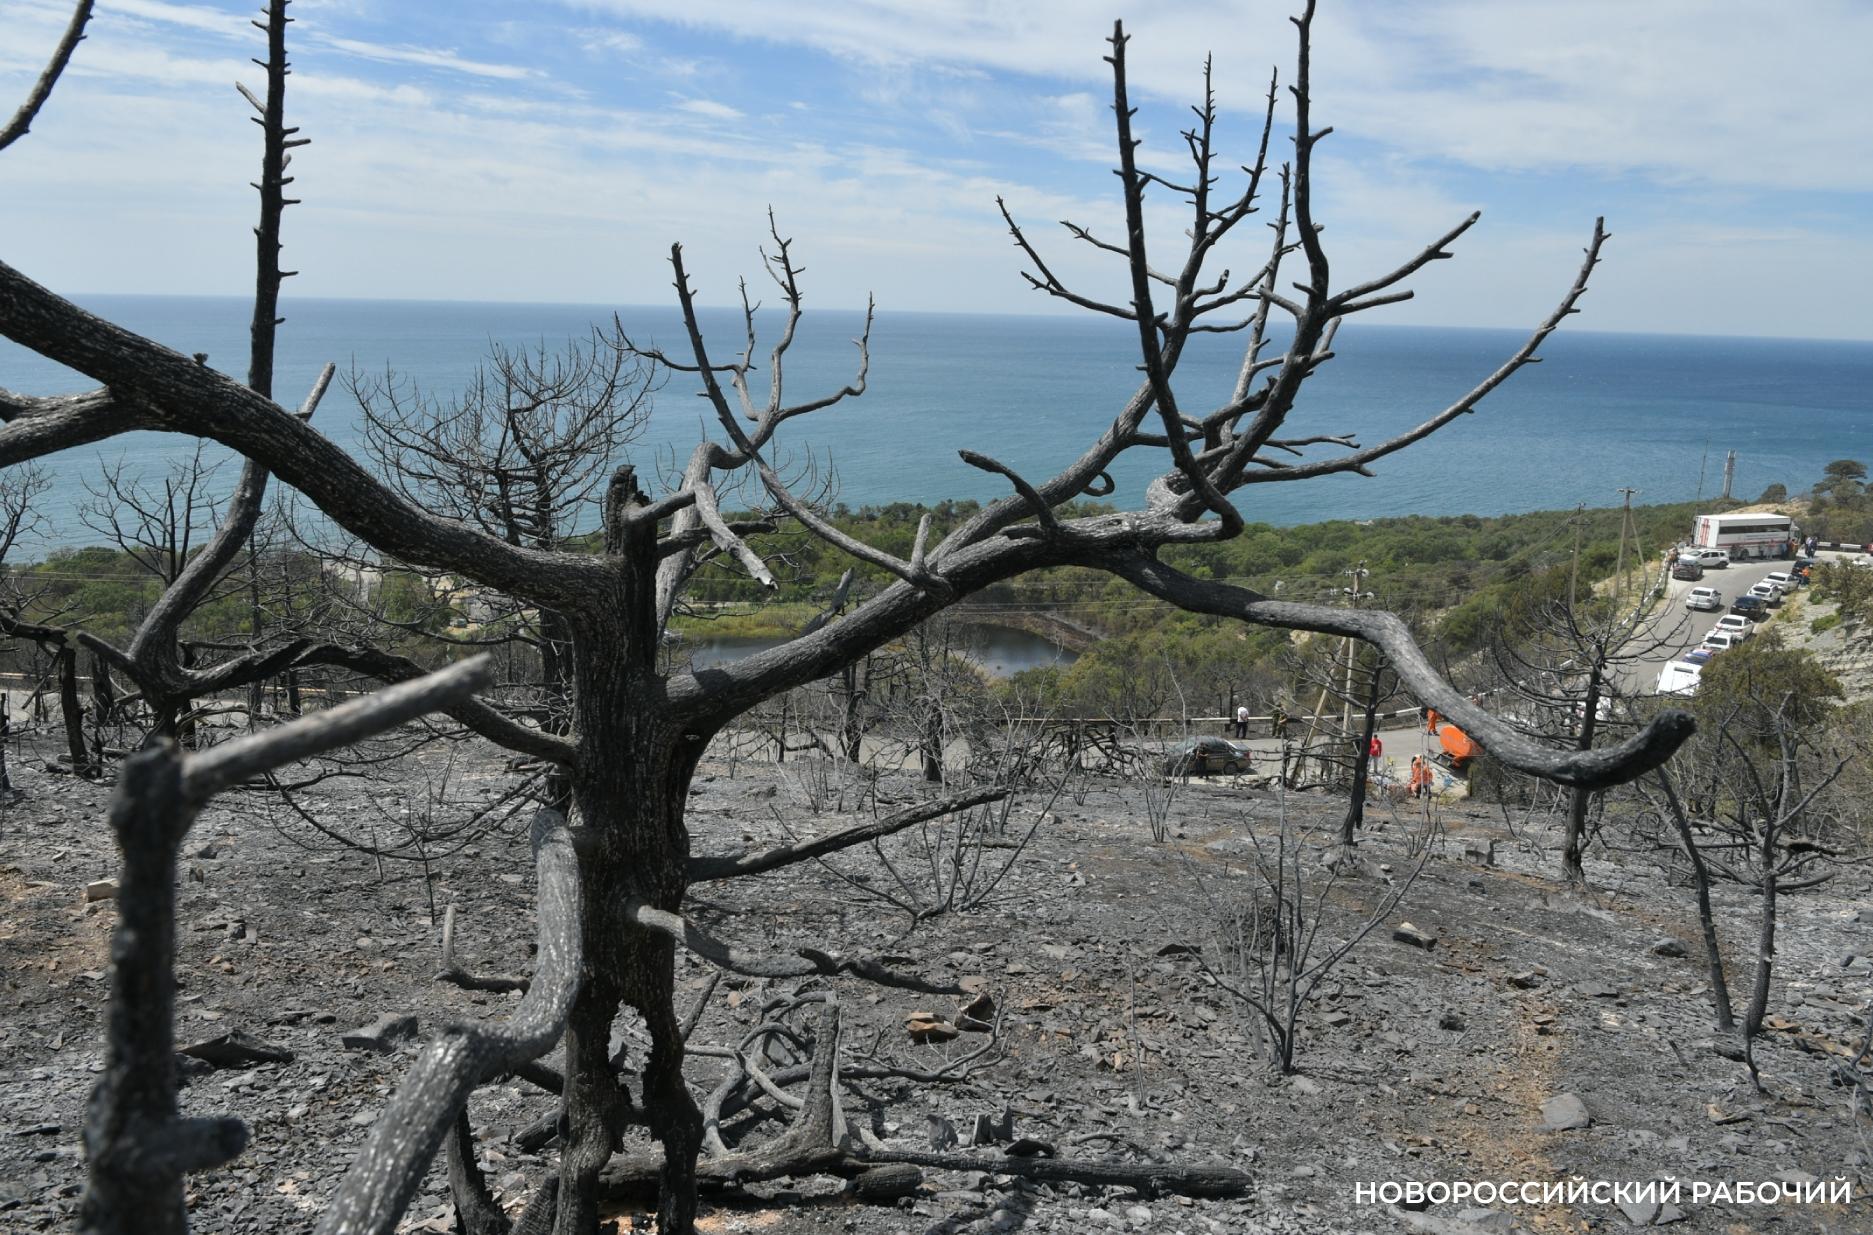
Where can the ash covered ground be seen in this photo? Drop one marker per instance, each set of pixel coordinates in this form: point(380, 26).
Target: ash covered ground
point(1107, 956)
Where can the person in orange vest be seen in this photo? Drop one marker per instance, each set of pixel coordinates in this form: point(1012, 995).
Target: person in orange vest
point(1420, 776)
point(1430, 720)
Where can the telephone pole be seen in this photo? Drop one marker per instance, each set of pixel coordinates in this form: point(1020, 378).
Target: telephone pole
point(1354, 595)
point(1625, 525)
point(1729, 473)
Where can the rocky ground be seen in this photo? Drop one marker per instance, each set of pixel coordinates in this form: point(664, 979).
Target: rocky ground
point(1107, 954)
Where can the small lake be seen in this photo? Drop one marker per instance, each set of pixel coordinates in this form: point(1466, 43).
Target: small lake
point(1002, 652)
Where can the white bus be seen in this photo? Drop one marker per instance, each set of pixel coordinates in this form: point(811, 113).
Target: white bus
point(1744, 536)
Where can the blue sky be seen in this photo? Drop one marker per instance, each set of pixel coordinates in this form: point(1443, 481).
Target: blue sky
point(553, 150)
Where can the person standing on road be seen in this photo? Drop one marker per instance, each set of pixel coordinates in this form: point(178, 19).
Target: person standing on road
point(1376, 749)
point(1430, 720)
point(1242, 720)
point(1277, 722)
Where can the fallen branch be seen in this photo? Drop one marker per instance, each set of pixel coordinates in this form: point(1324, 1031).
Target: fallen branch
point(759, 965)
point(389, 1168)
point(751, 862)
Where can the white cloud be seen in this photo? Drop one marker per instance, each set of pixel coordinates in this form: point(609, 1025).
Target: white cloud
point(710, 108)
point(428, 57)
point(509, 175)
point(191, 16)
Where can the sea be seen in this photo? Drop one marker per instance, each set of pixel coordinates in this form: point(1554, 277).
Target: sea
point(1659, 414)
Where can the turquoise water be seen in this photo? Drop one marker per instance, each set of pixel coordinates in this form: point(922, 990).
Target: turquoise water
point(1602, 411)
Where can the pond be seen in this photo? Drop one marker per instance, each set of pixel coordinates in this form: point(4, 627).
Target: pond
point(1001, 651)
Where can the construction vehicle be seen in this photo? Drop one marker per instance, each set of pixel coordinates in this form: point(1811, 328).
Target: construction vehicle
point(1459, 748)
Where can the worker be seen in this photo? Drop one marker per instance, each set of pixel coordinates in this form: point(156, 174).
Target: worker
point(1375, 749)
point(1420, 776)
point(1242, 720)
point(1430, 720)
point(1277, 722)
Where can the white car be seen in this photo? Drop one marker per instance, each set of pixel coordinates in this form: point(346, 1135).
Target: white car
point(1707, 599)
point(1709, 559)
point(1679, 678)
point(1721, 641)
point(1782, 579)
point(1768, 593)
point(1735, 624)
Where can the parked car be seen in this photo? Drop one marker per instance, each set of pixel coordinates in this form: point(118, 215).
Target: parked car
point(1787, 581)
point(1768, 593)
point(1721, 641)
point(1685, 568)
point(1751, 607)
point(1679, 678)
point(1704, 599)
point(1202, 756)
point(1709, 559)
point(1735, 624)
point(1697, 656)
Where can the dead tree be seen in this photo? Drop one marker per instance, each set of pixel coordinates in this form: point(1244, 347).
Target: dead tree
point(1573, 676)
point(1753, 803)
point(138, 1144)
point(637, 732)
point(520, 453)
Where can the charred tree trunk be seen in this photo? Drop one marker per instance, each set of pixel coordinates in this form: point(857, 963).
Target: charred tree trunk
point(930, 746)
point(1356, 805)
point(256, 624)
point(556, 670)
point(851, 729)
point(630, 787)
point(72, 710)
point(138, 1145)
point(1579, 799)
point(1707, 922)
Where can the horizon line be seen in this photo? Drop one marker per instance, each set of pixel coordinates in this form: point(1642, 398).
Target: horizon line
point(880, 311)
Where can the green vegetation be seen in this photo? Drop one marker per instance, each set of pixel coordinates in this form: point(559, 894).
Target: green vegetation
point(1462, 580)
point(1841, 506)
point(1764, 684)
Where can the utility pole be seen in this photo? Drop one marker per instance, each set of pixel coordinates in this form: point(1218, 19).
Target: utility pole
point(1625, 525)
point(1354, 595)
point(1729, 473)
point(1702, 460)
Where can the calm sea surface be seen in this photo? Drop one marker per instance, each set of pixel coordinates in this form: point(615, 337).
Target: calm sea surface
point(1656, 413)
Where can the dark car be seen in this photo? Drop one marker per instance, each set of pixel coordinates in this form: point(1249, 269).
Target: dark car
point(1751, 607)
point(1202, 756)
point(1685, 568)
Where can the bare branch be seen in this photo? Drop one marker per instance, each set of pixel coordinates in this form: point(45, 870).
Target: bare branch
point(17, 127)
point(1593, 769)
point(232, 762)
point(389, 1168)
point(734, 866)
point(1523, 356)
point(800, 964)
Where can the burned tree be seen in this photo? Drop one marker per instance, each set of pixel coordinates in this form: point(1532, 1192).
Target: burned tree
point(636, 732)
point(1573, 675)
